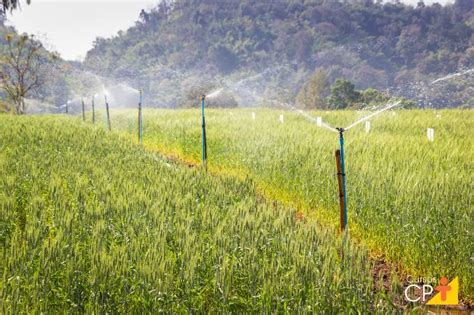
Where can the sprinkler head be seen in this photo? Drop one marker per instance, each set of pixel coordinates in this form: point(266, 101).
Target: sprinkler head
point(203, 97)
point(340, 129)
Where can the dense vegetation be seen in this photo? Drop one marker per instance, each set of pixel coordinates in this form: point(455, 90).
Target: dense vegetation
point(91, 223)
point(408, 198)
point(184, 43)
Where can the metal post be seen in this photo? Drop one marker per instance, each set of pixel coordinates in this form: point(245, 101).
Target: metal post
point(140, 121)
point(83, 111)
point(343, 176)
point(108, 114)
point(204, 144)
point(93, 110)
point(341, 190)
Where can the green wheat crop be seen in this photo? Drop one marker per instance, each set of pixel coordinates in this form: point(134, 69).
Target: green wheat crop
point(90, 222)
point(409, 200)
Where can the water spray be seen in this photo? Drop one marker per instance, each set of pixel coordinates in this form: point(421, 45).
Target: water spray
point(204, 144)
point(140, 118)
point(360, 120)
point(108, 114)
point(453, 75)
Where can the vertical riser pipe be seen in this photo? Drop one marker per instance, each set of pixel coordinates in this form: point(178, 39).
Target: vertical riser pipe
point(93, 111)
point(340, 189)
point(343, 174)
point(204, 144)
point(140, 119)
point(108, 114)
point(83, 111)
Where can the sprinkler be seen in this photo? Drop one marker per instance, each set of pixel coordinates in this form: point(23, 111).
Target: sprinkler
point(108, 114)
point(204, 144)
point(83, 111)
point(341, 173)
point(140, 119)
point(341, 177)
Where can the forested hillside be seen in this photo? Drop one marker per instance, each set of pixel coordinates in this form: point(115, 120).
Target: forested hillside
point(280, 43)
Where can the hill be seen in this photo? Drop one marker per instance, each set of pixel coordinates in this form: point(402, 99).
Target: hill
point(271, 48)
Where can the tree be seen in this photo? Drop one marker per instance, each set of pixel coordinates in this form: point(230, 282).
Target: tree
point(11, 5)
point(343, 94)
point(371, 42)
point(21, 69)
point(225, 60)
point(313, 92)
point(373, 97)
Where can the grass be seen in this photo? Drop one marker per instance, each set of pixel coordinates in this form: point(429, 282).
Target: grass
point(409, 200)
point(90, 223)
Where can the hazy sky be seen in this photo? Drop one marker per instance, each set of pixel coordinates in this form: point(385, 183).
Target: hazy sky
point(70, 26)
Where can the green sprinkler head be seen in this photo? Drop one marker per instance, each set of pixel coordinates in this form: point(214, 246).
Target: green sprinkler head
point(203, 97)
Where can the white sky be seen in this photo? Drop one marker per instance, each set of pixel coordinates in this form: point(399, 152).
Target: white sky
point(70, 26)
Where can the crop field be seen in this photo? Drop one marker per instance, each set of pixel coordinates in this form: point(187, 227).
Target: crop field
point(409, 200)
point(91, 222)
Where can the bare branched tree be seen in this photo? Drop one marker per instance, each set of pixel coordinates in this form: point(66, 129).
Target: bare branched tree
point(21, 69)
